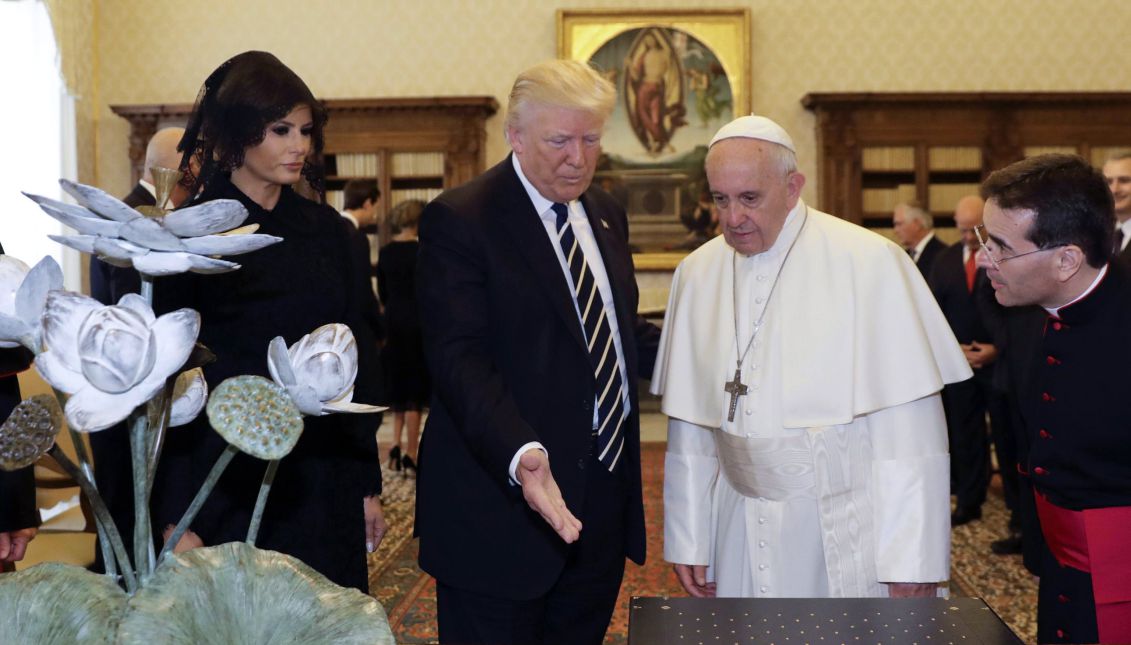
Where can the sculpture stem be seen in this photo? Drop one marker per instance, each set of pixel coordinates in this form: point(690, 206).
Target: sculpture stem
point(100, 512)
point(261, 501)
point(143, 530)
point(198, 501)
point(108, 559)
point(158, 422)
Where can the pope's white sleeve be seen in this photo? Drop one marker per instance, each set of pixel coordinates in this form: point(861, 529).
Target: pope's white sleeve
point(911, 495)
point(690, 470)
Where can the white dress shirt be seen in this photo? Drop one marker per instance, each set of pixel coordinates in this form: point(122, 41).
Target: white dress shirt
point(584, 234)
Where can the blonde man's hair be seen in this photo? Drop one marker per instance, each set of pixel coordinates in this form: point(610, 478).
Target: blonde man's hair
point(560, 83)
point(406, 214)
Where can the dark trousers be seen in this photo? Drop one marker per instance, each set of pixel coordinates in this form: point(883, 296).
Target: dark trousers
point(577, 608)
point(1005, 423)
point(965, 405)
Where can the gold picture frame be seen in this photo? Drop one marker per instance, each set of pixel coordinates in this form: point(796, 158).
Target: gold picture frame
point(725, 33)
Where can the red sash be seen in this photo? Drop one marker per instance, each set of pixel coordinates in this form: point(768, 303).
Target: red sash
point(1097, 541)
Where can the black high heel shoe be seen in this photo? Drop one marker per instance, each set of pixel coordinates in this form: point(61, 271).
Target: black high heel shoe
point(395, 458)
point(408, 464)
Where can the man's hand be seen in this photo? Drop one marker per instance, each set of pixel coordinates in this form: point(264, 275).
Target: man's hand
point(13, 544)
point(979, 355)
point(542, 494)
point(913, 589)
point(375, 525)
point(693, 577)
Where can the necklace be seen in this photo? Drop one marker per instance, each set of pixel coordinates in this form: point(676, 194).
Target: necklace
point(736, 388)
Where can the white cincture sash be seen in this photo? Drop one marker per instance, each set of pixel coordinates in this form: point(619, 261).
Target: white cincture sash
point(829, 464)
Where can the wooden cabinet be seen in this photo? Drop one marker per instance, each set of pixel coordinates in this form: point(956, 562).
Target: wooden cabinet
point(414, 147)
point(877, 149)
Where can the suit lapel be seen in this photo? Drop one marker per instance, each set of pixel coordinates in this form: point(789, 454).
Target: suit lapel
point(529, 235)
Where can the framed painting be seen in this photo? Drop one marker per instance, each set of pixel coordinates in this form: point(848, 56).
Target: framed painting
point(680, 75)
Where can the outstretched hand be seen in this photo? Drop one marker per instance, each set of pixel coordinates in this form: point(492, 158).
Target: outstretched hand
point(542, 494)
point(375, 524)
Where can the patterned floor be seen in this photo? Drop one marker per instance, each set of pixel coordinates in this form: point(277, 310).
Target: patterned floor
point(409, 596)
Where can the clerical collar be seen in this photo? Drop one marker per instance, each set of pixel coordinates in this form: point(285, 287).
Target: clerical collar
point(148, 187)
point(1055, 311)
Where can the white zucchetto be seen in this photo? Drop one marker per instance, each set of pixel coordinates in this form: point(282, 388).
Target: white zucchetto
point(755, 127)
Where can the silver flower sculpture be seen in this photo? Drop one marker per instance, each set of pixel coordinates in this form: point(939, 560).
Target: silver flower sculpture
point(318, 371)
point(180, 241)
point(110, 359)
point(23, 294)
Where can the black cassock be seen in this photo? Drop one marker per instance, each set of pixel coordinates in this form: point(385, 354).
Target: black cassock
point(17, 489)
point(287, 289)
point(1078, 440)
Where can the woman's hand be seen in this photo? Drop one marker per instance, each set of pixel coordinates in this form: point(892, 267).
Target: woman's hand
point(375, 526)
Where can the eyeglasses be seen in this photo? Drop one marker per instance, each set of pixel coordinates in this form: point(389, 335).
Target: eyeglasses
point(984, 242)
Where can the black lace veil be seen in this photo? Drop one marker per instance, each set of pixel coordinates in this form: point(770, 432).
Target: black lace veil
point(233, 109)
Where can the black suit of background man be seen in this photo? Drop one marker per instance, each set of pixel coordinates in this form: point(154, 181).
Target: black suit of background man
point(110, 448)
point(974, 317)
point(926, 259)
point(509, 366)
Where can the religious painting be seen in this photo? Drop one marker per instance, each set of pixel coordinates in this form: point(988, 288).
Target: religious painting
point(680, 75)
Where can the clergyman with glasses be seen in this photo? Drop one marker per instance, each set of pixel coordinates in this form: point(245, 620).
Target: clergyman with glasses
point(1047, 240)
point(801, 363)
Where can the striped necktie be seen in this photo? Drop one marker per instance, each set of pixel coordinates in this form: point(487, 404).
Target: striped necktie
point(611, 412)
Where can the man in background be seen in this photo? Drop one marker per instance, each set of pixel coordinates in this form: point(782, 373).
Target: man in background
point(915, 231)
point(1047, 241)
point(109, 283)
point(967, 300)
point(1117, 172)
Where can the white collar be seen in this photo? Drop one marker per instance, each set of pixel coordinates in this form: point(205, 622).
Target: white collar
point(1055, 311)
point(923, 244)
point(541, 204)
point(351, 218)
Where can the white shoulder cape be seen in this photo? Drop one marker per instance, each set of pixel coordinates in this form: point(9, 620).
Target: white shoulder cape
point(862, 333)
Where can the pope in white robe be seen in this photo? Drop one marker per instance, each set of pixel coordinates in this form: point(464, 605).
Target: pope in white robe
point(821, 468)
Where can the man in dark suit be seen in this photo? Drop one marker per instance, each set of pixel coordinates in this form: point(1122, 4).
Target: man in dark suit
point(109, 283)
point(966, 299)
point(528, 498)
point(19, 518)
point(110, 449)
point(914, 229)
point(1117, 172)
point(1047, 241)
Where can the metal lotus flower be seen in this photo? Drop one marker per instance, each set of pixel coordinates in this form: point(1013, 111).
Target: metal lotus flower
point(23, 293)
point(29, 431)
point(318, 371)
point(235, 593)
point(110, 359)
point(179, 241)
point(256, 416)
point(59, 604)
point(189, 395)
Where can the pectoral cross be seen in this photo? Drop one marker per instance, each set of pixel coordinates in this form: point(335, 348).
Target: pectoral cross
point(735, 389)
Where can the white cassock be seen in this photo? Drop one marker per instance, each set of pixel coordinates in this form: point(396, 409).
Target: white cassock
point(833, 478)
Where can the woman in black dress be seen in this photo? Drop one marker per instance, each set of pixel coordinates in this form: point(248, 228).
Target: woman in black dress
point(406, 375)
point(257, 130)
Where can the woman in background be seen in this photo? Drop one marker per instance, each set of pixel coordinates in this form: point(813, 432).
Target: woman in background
point(406, 376)
point(257, 129)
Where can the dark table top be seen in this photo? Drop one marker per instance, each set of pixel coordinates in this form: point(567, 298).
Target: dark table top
point(790, 621)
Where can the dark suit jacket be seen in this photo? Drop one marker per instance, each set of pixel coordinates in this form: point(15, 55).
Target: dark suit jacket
point(927, 257)
point(509, 366)
point(1125, 255)
point(17, 489)
point(109, 283)
point(973, 316)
